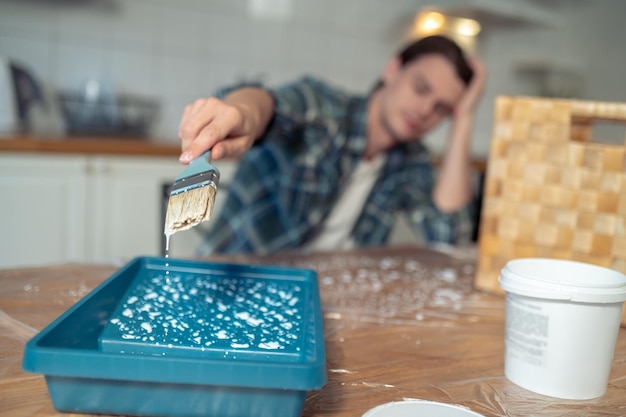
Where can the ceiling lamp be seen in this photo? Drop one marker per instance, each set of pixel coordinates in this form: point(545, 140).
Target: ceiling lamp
point(467, 27)
point(430, 22)
point(434, 22)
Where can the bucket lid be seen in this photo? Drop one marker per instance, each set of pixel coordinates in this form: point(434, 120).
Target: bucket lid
point(559, 279)
point(412, 408)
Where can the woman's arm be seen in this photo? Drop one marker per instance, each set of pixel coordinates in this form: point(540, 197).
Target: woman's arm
point(228, 127)
point(453, 189)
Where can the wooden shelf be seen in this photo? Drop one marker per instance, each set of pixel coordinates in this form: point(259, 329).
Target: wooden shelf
point(88, 145)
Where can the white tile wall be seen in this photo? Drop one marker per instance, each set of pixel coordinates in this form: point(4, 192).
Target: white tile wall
point(178, 50)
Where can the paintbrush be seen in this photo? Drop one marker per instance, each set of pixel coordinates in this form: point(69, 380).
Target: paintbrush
point(192, 196)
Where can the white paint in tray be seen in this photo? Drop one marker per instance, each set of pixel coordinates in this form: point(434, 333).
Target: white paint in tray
point(197, 311)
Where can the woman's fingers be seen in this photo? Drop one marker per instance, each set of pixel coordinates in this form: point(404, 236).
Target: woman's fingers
point(474, 90)
point(205, 123)
point(195, 117)
point(233, 147)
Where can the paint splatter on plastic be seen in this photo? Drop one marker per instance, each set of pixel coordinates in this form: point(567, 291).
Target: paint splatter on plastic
point(392, 288)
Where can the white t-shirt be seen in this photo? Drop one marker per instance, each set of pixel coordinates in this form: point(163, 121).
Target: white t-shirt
point(335, 233)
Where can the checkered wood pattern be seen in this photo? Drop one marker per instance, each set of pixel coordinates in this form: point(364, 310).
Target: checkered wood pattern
point(550, 189)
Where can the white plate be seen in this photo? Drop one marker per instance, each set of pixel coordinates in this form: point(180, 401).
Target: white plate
point(419, 408)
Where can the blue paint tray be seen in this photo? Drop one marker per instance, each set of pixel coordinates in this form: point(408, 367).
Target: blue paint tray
point(169, 337)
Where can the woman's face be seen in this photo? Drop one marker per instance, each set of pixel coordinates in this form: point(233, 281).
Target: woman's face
point(416, 97)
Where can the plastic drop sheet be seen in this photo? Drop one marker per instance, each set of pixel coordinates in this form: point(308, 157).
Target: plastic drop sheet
point(399, 323)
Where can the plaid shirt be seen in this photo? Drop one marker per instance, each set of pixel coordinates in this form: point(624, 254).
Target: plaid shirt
point(288, 182)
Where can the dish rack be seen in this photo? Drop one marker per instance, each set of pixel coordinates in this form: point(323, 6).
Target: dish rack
point(123, 115)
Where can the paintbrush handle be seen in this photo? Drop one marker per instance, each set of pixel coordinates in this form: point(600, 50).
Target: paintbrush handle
point(199, 165)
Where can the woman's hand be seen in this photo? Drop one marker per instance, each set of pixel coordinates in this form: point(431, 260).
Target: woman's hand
point(468, 103)
point(228, 127)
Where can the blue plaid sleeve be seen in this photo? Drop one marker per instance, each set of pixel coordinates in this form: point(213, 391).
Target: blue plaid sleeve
point(433, 224)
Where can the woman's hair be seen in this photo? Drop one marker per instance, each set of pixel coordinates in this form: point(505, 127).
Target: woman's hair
point(441, 45)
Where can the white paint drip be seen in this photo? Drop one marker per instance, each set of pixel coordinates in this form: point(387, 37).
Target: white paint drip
point(269, 345)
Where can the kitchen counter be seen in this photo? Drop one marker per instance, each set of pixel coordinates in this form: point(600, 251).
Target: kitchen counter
point(399, 323)
point(113, 146)
point(88, 145)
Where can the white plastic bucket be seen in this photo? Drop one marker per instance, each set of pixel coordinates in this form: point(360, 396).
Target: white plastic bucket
point(416, 408)
point(562, 322)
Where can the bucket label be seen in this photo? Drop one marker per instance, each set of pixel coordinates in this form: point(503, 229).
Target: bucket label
point(526, 331)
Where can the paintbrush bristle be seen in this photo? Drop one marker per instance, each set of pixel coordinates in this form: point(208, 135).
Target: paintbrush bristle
point(189, 208)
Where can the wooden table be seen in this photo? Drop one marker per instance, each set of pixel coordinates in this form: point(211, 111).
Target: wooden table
point(400, 323)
